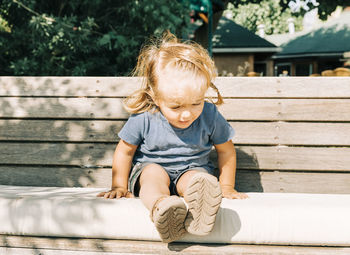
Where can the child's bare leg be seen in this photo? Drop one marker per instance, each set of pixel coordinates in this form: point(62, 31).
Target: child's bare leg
point(182, 184)
point(202, 194)
point(167, 212)
point(154, 183)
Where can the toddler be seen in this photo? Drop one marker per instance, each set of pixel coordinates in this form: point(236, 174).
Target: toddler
point(164, 149)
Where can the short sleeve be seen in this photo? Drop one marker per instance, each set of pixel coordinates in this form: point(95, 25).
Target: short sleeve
point(133, 130)
point(222, 131)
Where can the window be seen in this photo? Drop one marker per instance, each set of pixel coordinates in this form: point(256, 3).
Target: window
point(303, 69)
point(283, 69)
point(260, 67)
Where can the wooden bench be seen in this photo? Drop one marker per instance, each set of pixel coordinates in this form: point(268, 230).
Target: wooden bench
point(292, 136)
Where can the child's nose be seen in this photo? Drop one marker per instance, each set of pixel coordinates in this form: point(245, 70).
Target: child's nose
point(186, 114)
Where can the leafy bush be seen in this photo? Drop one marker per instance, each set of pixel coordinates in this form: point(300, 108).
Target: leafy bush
point(267, 12)
point(82, 37)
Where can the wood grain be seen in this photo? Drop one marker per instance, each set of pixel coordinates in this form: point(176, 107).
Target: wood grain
point(282, 124)
point(246, 180)
point(58, 246)
point(262, 133)
point(252, 87)
point(60, 130)
point(292, 135)
point(233, 109)
point(249, 157)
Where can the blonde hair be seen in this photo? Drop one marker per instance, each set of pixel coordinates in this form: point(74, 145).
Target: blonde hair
point(163, 52)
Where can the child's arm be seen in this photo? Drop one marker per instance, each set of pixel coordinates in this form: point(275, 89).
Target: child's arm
point(227, 167)
point(121, 166)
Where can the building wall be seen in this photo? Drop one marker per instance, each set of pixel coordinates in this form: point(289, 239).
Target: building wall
point(230, 64)
point(306, 66)
point(269, 67)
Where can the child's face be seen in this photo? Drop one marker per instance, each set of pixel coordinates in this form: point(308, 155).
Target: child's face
point(180, 100)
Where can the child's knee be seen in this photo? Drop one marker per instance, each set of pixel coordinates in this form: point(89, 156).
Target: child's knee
point(183, 181)
point(154, 173)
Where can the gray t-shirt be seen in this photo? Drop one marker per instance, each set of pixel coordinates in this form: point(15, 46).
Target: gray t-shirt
point(176, 149)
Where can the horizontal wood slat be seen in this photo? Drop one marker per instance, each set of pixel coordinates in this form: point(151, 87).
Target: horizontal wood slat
point(292, 135)
point(284, 87)
point(251, 87)
point(57, 154)
point(68, 86)
point(55, 176)
point(233, 109)
point(264, 133)
point(293, 182)
point(86, 108)
point(249, 157)
point(289, 133)
point(246, 180)
point(290, 125)
point(59, 130)
point(286, 109)
point(294, 158)
point(72, 246)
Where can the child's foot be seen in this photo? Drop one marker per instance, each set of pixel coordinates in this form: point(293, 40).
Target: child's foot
point(203, 197)
point(168, 215)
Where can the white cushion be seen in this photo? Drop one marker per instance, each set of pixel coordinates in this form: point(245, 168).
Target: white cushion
point(264, 218)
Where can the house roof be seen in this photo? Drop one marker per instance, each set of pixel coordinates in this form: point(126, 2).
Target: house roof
point(281, 39)
point(331, 39)
point(231, 37)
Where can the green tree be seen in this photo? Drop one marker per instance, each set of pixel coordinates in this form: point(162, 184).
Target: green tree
point(267, 12)
point(325, 8)
point(82, 37)
point(4, 27)
point(100, 37)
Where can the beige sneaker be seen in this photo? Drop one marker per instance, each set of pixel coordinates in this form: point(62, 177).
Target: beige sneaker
point(203, 197)
point(168, 215)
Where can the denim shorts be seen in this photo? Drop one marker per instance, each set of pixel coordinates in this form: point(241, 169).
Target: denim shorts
point(173, 175)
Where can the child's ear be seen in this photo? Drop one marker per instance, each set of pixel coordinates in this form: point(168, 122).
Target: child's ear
point(156, 102)
point(153, 96)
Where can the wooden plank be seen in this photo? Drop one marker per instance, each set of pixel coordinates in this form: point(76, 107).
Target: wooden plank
point(293, 182)
point(55, 176)
point(233, 109)
point(314, 110)
point(284, 87)
point(246, 180)
point(74, 154)
point(286, 109)
point(58, 130)
point(68, 86)
point(59, 244)
point(31, 251)
point(264, 133)
point(249, 87)
point(86, 108)
point(294, 158)
point(292, 133)
point(249, 157)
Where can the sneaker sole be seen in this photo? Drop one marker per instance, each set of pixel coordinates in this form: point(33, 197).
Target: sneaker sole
point(203, 197)
point(169, 219)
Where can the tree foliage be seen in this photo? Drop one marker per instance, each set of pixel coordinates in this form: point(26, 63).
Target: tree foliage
point(325, 7)
point(82, 37)
point(100, 37)
point(4, 27)
point(267, 12)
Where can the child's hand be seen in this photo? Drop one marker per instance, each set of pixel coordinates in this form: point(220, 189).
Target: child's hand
point(116, 193)
point(230, 193)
